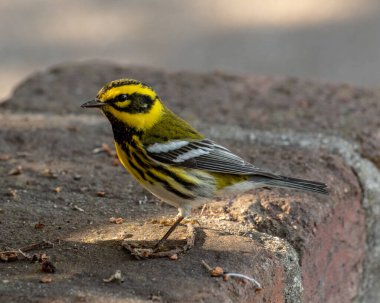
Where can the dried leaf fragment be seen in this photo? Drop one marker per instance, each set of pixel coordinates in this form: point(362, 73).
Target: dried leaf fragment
point(101, 193)
point(173, 257)
point(58, 189)
point(39, 225)
point(50, 173)
point(11, 193)
point(43, 258)
point(117, 276)
point(216, 271)
point(105, 148)
point(116, 220)
point(48, 267)
point(8, 256)
point(45, 279)
point(15, 171)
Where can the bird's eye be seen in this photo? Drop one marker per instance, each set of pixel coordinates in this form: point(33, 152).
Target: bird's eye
point(122, 97)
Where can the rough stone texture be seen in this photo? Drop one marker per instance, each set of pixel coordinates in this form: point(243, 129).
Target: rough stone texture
point(366, 171)
point(88, 247)
point(337, 228)
point(275, 227)
point(267, 103)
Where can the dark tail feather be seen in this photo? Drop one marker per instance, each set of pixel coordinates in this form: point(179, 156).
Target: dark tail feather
point(287, 182)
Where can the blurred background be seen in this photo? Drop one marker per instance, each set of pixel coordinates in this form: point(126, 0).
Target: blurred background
point(335, 40)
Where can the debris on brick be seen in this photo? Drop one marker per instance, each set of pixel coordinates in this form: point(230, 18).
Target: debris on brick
point(101, 193)
point(58, 189)
point(116, 220)
point(15, 171)
point(173, 257)
point(116, 277)
point(105, 148)
point(8, 256)
point(219, 272)
point(12, 193)
point(19, 254)
point(48, 267)
point(76, 207)
point(46, 279)
point(39, 225)
point(49, 173)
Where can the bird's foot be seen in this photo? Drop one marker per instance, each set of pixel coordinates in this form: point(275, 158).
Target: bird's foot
point(146, 251)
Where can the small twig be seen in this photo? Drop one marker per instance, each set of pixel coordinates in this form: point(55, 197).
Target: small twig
point(22, 251)
point(208, 267)
point(168, 253)
point(41, 245)
point(26, 256)
point(203, 209)
point(237, 275)
point(9, 252)
point(218, 271)
point(117, 276)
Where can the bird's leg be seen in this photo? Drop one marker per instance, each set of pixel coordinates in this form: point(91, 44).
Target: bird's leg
point(170, 231)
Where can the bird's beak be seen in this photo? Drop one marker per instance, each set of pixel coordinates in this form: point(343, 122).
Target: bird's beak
point(93, 103)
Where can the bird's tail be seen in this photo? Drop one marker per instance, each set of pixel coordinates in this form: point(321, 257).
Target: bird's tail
point(294, 183)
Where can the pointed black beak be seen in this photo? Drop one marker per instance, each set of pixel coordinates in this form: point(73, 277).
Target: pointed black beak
point(93, 103)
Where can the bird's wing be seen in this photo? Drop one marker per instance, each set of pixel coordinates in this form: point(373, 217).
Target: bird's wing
point(203, 154)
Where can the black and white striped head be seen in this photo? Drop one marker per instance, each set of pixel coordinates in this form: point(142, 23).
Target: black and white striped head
point(130, 102)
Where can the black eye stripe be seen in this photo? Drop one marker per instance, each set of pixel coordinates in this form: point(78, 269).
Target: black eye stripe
point(122, 97)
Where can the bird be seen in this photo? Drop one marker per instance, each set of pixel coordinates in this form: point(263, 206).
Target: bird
point(174, 161)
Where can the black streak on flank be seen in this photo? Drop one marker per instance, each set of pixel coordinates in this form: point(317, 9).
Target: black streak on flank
point(139, 170)
point(170, 188)
point(187, 184)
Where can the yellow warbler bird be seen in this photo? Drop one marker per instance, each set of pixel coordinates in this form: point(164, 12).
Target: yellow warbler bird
point(171, 159)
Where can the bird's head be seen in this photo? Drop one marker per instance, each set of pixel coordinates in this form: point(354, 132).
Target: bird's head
point(129, 102)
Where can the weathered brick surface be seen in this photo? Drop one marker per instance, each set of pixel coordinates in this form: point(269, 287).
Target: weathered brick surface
point(87, 246)
point(258, 102)
point(328, 233)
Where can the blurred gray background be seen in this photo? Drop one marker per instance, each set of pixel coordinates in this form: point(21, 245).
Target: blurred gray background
point(333, 40)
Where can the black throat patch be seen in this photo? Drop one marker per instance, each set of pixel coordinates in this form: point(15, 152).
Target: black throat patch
point(122, 133)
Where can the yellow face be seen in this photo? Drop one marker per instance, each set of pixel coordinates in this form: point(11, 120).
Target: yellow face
point(130, 102)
